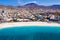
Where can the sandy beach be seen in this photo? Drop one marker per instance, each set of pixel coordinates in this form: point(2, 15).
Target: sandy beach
point(14, 24)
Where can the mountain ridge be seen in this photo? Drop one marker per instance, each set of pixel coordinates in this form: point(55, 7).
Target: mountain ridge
point(34, 5)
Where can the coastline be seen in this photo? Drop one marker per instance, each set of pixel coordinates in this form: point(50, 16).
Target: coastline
point(14, 24)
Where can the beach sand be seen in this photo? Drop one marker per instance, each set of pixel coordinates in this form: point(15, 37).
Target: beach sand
point(15, 24)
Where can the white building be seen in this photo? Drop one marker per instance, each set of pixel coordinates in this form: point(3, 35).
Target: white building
point(21, 20)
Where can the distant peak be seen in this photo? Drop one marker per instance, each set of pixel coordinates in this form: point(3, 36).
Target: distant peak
point(55, 5)
point(31, 4)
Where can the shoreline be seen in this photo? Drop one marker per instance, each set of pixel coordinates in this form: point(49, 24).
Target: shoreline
point(14, 24)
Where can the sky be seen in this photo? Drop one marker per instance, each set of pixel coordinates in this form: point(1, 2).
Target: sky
point(23, 2)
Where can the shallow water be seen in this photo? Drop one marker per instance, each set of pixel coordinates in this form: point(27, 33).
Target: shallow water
point(30, 33)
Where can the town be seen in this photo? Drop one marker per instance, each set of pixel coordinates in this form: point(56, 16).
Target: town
point(25, 14)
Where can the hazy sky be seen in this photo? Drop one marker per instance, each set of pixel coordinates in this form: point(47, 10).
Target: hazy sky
point(22, 2)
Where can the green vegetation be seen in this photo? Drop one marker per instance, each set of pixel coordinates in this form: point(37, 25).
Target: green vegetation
point(15, 20)
point(43, 19)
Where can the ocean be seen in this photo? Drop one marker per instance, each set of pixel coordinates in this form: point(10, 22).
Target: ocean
point(30, 33)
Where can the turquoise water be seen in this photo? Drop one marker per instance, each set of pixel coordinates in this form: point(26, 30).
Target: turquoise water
point(30, 33)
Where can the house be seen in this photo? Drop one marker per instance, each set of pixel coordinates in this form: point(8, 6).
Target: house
point(8, 20)
point(40, 16)
point(57, 18)
point(22, 20)
point(54, 18)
